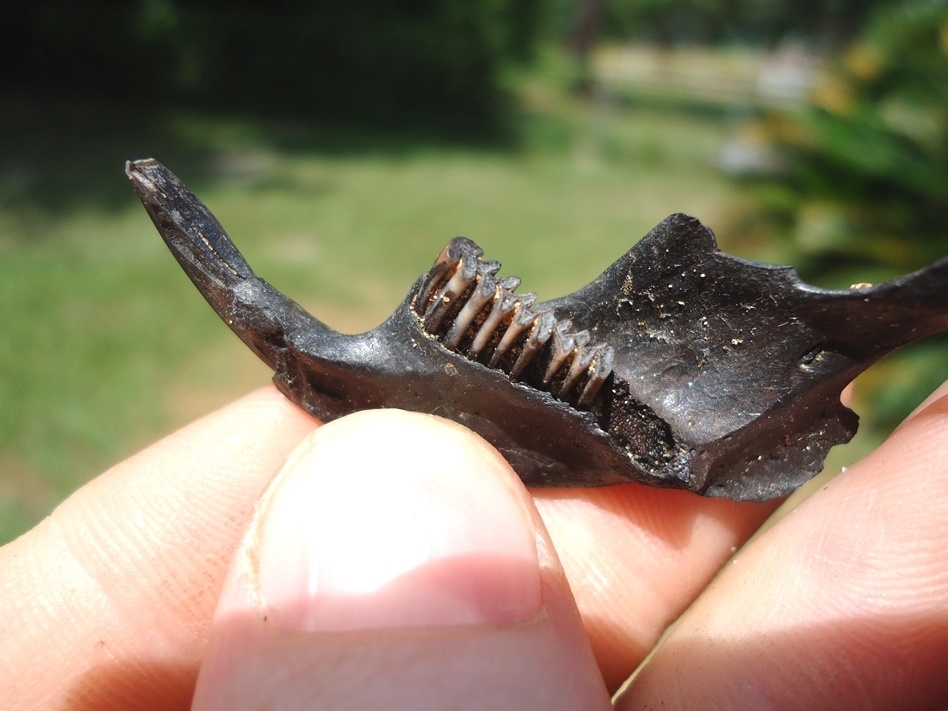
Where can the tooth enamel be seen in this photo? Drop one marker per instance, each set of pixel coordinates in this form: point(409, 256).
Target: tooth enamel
point(523, 317)
point(458, 250)
point(599, 371)
point(582, 359)
point(509, 283)
point(488, 266)
point(483, 292)
point(504, 303)
point(539, 334)
point(459, 282)
point(443, 269)
point(563, 345)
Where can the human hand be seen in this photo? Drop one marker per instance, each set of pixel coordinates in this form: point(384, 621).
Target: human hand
point(425, 604)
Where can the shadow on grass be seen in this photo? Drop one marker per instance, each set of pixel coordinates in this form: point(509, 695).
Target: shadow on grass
point(62, 154)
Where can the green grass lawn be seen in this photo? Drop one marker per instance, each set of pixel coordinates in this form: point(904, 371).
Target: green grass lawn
point(105, 344)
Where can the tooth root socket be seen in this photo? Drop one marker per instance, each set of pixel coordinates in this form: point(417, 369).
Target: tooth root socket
point(473, 313)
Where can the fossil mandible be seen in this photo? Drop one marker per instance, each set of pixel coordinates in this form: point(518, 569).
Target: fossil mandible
point(679, 366)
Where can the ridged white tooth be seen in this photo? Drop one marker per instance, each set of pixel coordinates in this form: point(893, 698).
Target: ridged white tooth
point(457, 285)
point(509, 283)
point(504, 303)
point(563, 344)
point(444, 267)
point(599, 371)
point(483, 292)
point(539, 334)
point(456, 251)
point(523, 317)
point(582, 359)
point(488, 266)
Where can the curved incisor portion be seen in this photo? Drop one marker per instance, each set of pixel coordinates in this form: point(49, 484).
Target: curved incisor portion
point(472, 312)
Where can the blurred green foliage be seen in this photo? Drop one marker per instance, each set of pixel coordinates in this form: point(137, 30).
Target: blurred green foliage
point(716, 21)
point(868, 159)
point(373, 61)
point(866, 163)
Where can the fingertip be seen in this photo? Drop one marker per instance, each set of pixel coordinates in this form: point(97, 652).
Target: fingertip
point(393, 519)
point(637, 556)
point(399, 557)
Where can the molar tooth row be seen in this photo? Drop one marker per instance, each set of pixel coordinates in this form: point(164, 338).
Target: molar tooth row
point(485, 290)
point(505, 301)
point(461, 286)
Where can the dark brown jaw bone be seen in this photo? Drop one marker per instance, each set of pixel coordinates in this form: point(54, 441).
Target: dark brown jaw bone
point(679, 366)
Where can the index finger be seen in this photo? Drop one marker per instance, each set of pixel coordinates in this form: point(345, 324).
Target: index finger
point(110, 599)
point(636, 557)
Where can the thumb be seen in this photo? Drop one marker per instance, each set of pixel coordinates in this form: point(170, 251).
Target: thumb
point(397, 562)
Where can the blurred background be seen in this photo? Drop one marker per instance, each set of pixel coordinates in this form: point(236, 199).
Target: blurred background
point(342, 144)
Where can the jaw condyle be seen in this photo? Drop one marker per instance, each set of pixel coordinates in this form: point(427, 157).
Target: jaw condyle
point(679, 366)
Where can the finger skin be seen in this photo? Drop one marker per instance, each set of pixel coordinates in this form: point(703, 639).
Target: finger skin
point(476, 656)
point(108, 603)
point(842, 604)
point(636, 557)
